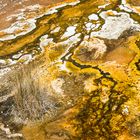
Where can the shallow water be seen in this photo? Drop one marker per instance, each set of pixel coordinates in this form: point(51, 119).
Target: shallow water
point(71, 71)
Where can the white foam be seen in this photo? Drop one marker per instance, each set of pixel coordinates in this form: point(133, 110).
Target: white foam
point(44, 41)
point(63, 67)
point(93, 17)
point(74, 3)
point(103, 6)
point(18, 26)
point(89, 26)
point(124, 2)
point(69, 32)
point(25, 58)
point(125, 8)
point(30, 21)
point(115, 25)
point(72, 40)
point(128, 8)
point(55, 30)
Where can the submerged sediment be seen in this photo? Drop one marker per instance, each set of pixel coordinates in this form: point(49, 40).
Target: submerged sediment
point(71, 72)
